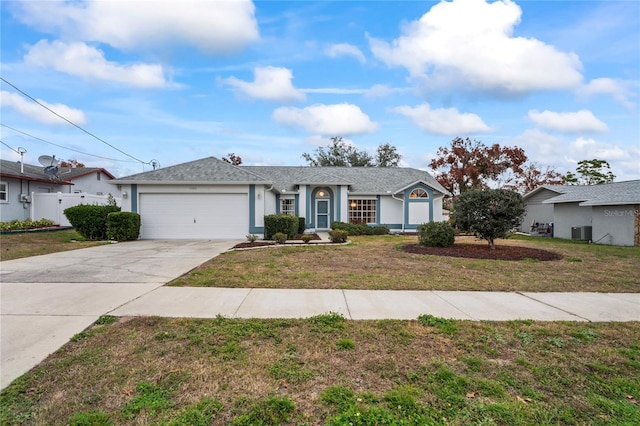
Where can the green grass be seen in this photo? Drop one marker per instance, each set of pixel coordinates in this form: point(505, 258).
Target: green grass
point(162, 371)
point(379, 263)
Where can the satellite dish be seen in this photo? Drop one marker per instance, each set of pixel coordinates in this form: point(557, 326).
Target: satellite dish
point(51, 170)
point(48, 161)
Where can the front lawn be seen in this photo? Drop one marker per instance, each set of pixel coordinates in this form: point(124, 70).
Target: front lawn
point(377, 263)
point(27, 244)
point(329, 371)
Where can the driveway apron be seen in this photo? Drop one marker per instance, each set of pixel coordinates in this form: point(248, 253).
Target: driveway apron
point(45, 300)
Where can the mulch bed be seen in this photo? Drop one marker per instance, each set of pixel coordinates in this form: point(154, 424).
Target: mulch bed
point(264, 243)
point(479, 251)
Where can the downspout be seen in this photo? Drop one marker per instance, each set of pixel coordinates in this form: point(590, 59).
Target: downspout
point(393, 196)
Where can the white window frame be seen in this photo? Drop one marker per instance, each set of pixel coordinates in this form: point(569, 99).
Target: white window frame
point(288, 206)
point(419, 193)
point(364, 211)
point(4, 193)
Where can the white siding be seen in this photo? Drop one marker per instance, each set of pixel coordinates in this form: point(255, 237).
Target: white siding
point(418, 213)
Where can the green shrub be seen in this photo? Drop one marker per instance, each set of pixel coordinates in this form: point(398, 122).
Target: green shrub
point(123, 226)
point(90, 221)
point(302, 225)
point(280, 237)
point(338, 236)
point(306, 238)
point(436, 234)
point(285, 223)
point(360, 228)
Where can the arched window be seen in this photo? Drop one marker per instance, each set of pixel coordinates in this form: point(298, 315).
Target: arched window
point(419, 193)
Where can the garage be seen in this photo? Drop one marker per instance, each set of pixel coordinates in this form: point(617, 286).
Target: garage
point(193, 216)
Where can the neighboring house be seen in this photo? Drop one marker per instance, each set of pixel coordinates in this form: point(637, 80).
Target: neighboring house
point(19, 183)
point(209, 198)
point(607, 213)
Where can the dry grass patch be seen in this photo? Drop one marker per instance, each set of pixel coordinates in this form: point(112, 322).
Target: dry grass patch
point(27, 244)
point(380, 263)
point(297, 372)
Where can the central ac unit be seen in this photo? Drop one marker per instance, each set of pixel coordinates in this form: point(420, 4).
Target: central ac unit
point(581, 233)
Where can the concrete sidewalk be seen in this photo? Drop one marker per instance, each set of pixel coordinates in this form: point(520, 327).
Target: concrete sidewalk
point(199, 302)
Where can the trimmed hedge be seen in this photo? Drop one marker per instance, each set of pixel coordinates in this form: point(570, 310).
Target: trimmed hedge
point(338, 236)
point(302, 225)
point(285, 223)
point(90, 221)
point(360, 229)
point(436, 234)
point(123, 226)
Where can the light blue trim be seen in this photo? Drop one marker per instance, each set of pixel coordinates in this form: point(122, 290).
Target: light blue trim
point(378, 209)
point(339, 203)
point(313, 205)
point(277, 203)
point(134, 198)
point(393, 225)
point(253, 229)
point(408, 200)
point(308, 207)
point(297, 203)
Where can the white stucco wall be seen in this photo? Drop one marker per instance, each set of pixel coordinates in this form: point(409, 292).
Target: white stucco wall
point(418, 213)
point(437, 209)
point(568, 215)
point(390, 211)
point(613, 225)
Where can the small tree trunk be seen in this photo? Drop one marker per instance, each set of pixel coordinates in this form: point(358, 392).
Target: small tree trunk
point(492, 246)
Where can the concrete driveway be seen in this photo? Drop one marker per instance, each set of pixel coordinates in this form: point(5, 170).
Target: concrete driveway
point(45, 300)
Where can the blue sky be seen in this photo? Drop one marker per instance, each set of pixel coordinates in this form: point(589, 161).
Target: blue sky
point(269, 80)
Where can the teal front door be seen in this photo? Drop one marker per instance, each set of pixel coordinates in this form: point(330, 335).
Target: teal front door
point(322, 214)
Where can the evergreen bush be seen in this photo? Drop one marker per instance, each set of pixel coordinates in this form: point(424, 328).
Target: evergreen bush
point(285, 223)
point(90, 221)
point(123, 226)
point(436, 234)
point(338, 236)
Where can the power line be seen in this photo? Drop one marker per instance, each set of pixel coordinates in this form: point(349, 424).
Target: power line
point(12, 149)
point(71, 122)
point(63, 147)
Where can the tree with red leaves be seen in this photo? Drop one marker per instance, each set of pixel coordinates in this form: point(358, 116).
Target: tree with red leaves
point(72, 164)
point(232, 159)
point(467, 164)
point(533, 176)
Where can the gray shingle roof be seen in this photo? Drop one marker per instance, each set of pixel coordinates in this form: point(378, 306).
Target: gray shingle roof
point(205, 170)
point(363, 180)
point(615, 193)
point(12, 169)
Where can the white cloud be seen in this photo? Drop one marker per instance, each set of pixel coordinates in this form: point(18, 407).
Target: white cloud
point(443, 121)
point(539, 146)
point(79, 59)
point(345, 49)
point(337, 119)
point(212, 26)
point(469, 44)
point(586, 149)
point(36, 112)
point(569, 122)
point(619, 90)
point(270, 83)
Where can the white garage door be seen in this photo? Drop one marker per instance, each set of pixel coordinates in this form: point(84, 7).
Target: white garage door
point(194, 216)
